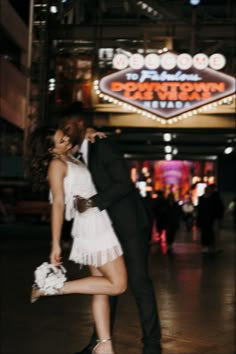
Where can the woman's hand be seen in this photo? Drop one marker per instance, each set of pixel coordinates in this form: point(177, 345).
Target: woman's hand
point(55, 255)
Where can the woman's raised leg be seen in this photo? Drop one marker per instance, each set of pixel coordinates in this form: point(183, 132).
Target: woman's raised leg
point(112, 282)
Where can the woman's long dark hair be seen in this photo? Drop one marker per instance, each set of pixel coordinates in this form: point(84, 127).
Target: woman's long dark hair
point(38, 156)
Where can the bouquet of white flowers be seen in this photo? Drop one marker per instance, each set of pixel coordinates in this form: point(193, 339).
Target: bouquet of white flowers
point(49, 278)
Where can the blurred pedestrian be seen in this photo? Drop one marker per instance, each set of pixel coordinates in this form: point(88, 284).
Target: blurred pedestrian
point(207, 213)
point(188, 214)
point(219, 208)
point(172, 222)
point(160, 212)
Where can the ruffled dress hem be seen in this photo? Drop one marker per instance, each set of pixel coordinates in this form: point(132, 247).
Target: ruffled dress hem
point(96, 259)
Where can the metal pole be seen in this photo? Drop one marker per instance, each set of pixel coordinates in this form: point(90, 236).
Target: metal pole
point(28, 81)
point(194, 30)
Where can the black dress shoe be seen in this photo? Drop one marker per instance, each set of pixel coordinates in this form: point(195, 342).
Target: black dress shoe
point(86, 350)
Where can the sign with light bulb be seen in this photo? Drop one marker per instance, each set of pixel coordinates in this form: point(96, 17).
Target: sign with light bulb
point(167, 87)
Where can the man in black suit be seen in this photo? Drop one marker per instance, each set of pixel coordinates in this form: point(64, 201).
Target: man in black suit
point(117, 194)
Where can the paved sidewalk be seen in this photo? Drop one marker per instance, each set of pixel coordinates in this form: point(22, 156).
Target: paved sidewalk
point(195, 296)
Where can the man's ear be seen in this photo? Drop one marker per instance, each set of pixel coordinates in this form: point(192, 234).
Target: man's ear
point(81, 124)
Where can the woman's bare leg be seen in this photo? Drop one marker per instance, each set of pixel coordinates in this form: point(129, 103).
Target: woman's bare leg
point(101, 316)
point(110, 279)
point(112, 282)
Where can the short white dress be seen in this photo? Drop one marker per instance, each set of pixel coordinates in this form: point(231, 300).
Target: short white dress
point(94, 240)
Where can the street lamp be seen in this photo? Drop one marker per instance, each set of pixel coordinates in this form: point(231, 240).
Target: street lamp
point(194, 2)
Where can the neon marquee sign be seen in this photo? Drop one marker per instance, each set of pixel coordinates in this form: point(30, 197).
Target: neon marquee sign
point(167, 86)
point(169, 60)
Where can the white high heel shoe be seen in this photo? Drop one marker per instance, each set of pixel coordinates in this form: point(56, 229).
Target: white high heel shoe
point(99, 341)
point(37, 293)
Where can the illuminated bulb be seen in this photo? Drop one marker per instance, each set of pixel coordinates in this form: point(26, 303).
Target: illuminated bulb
point(53, 9)
point(228, 150)
point(175, 151)
point(167, 137)
point(167, 149)
point(168, 157)
point(194, 2)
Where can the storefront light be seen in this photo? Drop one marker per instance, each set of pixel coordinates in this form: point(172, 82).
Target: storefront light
point(51, 84)
point(168, 157)
point(167, 137)
point(175, 151)
point(194, 2)
point(228, 150)
point(168, 149)
point(53, 9)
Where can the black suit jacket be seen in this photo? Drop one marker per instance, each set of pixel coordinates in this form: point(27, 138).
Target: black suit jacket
point(116, 192)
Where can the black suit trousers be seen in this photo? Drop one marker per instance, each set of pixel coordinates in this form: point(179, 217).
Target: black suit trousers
point(136, 258)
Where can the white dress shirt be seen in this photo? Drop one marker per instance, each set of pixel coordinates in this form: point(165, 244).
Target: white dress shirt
point(84, 150)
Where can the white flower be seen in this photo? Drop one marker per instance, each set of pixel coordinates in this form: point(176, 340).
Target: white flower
point(50, 278)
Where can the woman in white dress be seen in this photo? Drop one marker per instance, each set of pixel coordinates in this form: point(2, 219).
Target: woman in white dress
point(94, 241)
